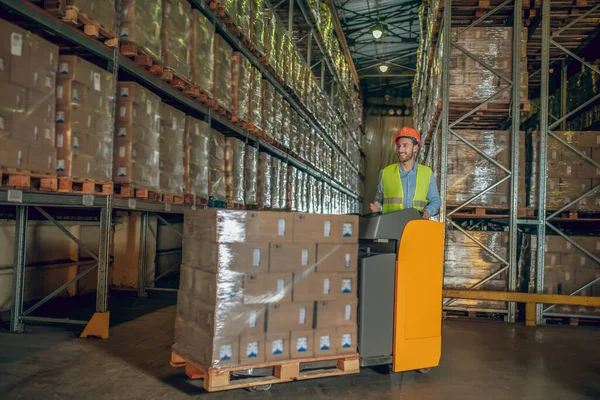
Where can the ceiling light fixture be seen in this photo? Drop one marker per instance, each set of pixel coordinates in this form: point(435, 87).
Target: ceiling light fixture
point(377, 31)
point(383, 68)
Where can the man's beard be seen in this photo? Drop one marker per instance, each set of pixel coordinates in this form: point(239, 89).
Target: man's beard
point(405, 157)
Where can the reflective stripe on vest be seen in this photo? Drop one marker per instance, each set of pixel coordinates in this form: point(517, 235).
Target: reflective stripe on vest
point(393, 192)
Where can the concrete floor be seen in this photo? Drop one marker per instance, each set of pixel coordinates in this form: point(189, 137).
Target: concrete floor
point(481, 360)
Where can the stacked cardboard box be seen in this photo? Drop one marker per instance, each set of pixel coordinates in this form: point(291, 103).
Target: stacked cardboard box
point(28, 66)
point(234, 170)
point(84, 120)
point(202, 45)
point(266, 286)
point(467, 263)
point(141, 24)
point(176, 36)
point(567, 269)
point(172, 156)
point(197, 157)
point(222, 73)
point(469, 173)
point(568, 175)
point(255, 103)
point(241, 80)
point(137, 137)
point(216, 182)
point(102, 11)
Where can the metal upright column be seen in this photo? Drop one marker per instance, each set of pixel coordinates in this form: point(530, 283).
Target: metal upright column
point(447, 40)
point(514, 165)
point(322, 75)
point(545, 76)
point(104, 256)
point(142, 255)
point(19, 269)
point(309, 49)
point(563, 94)
point(291, 17)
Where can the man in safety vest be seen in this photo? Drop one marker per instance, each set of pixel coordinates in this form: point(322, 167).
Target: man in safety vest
point(407, 184)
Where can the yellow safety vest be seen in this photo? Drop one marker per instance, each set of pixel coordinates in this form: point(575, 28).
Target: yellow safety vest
point(393, 193)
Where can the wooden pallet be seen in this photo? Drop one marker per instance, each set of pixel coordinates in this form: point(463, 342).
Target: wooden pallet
point(235, 206)
point(173, 198)
point(26, 180)
point(491, 212)
point(142, 58)
point(90, 26)
point(478, 315)
point(283, 371)
point(572, 321)
point(130, 191)
point(90, 186)
point(193, 200)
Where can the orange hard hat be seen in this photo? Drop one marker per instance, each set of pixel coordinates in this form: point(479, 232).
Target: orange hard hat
point(409, 133)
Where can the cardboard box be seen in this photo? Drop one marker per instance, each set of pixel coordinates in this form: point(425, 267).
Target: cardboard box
point(15, 40)
point(45, 54)
point(553, 259)
point(576, 260)
point(42, 158)
point(293, 316)
point(275, 227)
point(209, 288)
point(13, 98)
point(583, 276)
point(138, 134)
point(241, 257)
point(225, 319)
point(337, 257)
point(345, 229)
point(23, 73)
point(76, 165)
point(79, 119)
point(302, 344)
point(79, 70)
point(346, 339)
point(252, 349)
point(587, 170)
point(268, 288)
point(313, 227)
point(292, 257)
point(346, 284)
point(336, 313)
point(325, 342)
point(277, 346)
point(588, 139)
point(141, 115)
point(71, 93)
point(226, 351)
point(315, 286)
point(14, 153)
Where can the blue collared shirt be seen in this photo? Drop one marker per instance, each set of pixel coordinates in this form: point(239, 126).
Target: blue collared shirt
point(409, 184)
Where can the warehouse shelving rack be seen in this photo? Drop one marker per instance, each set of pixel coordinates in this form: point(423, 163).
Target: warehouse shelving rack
point(103, 205)
point(545, 50)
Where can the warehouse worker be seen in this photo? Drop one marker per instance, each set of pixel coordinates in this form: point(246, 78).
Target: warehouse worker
point(407, 184)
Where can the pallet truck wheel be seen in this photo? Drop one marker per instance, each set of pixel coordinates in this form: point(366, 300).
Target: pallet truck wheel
point(259, 388)
point(424, 370)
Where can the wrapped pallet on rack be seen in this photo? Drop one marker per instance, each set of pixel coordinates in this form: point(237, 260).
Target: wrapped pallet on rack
point(176, 36)
point(255, 111)
point(264, 181)
point(99, 17)
point(257, 26)
point(171, 154)
point(140, 32)
point(283, 187)
point(291, 199)
point(234, 172)
point(275, 182)
point(251, 176)
point(136, 159)
point(202, 55)
point(27, 109)
point(222, 74)
point(268, 94)
point(84, 124)
point(216, 183)
point(296, 301)
point(277, 110)
point(240, 88)
point(197, 161)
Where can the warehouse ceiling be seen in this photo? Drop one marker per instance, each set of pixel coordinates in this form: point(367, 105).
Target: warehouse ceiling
point(396, 48)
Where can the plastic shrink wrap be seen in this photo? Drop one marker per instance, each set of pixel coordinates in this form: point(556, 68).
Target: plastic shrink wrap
point(84, 120)
point(264, 181)
point(234, 170)
point(197, 155)
point(171, 152)
point(141, 24)
point(102, 11)
point(216, 183)
point(222, 73)
point(275, 182)
point(240, 87)
point(176, 36)
point(202, 45)
point(251, 176)
point(137, 145)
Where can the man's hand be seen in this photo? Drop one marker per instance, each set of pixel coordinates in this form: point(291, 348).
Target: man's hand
point(426, 215)
point(375, 207)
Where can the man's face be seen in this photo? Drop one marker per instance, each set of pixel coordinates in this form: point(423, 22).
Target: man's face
point(406, 149)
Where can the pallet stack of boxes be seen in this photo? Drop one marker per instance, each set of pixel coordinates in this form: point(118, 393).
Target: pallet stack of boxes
point(176, 37)
point(266, 286)
point(101, 11)
point(137, 147)
point(567, 269)
point(28, 66)
point(171, 150)
point(234, 171)
point(216, 165)
point(250, 176)
point(222, 73)
point(84, 130)
point(141, 22)
point(197, 158)
point(202, 45)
